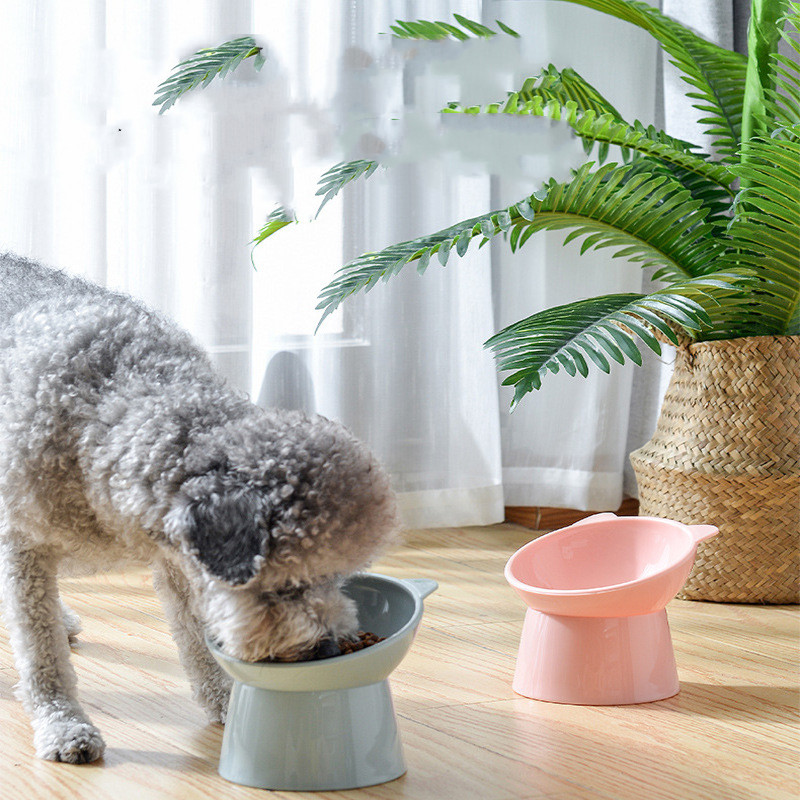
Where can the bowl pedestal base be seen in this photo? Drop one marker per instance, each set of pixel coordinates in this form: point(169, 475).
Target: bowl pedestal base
point(311, 741)
point(596, 660)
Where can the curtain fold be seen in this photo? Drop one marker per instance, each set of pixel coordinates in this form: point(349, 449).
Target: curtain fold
point(165, 206)
point(565, 445)
point(402, 366)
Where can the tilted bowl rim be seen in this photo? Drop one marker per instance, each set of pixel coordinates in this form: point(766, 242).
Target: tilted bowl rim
point(672, 524)
point(366, 652)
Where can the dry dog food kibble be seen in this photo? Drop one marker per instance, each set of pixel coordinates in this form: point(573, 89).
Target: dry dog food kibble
point(364, 640)
point(343, 647)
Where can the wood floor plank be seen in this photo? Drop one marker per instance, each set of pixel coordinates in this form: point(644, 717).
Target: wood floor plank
point(624, 753)
point(454, 666)
point(731, 733)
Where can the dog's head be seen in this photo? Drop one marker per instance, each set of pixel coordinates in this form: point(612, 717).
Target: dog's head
point(277, 511)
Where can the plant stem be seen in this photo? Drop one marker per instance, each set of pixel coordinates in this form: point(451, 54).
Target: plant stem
point(763, 35)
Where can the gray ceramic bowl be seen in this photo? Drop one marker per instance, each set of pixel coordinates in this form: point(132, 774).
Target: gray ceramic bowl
point(329, 724)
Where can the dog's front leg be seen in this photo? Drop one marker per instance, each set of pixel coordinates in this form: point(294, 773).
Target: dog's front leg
point(35, 621)
point(211, 687)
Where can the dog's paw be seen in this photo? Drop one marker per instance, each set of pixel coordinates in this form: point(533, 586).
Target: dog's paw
point(216, 706)
point(212, 692)
point(70, 740)
point(72, 623)
point(214, 701)
point(219, 715)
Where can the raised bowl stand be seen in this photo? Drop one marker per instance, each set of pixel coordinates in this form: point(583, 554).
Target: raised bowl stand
point(325, 725)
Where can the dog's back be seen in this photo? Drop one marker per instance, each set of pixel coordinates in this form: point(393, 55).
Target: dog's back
point(23, 282)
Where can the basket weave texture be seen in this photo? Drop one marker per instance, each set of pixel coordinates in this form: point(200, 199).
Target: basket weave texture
point(726, 452)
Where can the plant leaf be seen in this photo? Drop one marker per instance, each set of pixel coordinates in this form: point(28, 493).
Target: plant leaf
point(763, 35)
point(205, 65)
point(765, 237)
point(338, 176)
point(607, 326)
point(606, 129)
point(279, 218)
point(782, 94)
point(431, 31)
point(562, 87)
point(507, 29)
point(652, 218)
point(716, 75)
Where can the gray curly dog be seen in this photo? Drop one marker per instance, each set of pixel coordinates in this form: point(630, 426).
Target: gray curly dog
point(119, 443)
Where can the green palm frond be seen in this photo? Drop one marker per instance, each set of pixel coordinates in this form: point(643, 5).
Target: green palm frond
point(279, 218)
point(436, 31)
point(649, 219)
point(715, 198)
point(782, 95)
point(765, 236)
point(338, 176)
point(204, 66)
point(716, 74)
point(563, 86)
point(604, 329)
point(605, 130)
point(365, 271)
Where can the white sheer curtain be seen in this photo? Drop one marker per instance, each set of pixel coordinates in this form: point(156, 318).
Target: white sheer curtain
point(403, 366)
point(163, 207)
point(566, 445)
point(95, 182)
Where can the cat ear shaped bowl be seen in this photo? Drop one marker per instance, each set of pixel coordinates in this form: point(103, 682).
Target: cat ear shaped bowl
point(329, 724)
point(596, 629)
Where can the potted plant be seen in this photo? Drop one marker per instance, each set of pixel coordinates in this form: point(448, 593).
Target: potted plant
point(720, 230)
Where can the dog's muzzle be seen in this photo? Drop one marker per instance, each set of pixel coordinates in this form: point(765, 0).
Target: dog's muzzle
point(326, 648)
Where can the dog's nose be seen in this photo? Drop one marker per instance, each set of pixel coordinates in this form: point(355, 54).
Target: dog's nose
point(327, 648)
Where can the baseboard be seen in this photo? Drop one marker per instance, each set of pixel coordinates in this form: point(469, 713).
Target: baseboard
point(540, 518)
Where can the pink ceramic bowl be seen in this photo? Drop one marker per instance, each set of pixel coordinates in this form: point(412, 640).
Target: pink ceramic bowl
point(606, 566)
point(596, 629)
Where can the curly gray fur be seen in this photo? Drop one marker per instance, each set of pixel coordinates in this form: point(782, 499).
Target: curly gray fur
point(119, 442)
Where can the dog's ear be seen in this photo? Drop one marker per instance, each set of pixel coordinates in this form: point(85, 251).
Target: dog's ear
point(225, 532)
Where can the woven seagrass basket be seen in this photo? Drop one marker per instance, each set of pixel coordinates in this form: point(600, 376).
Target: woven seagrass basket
point(726, 452)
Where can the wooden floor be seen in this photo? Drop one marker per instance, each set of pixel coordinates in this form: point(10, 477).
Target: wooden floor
point(731, 733)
